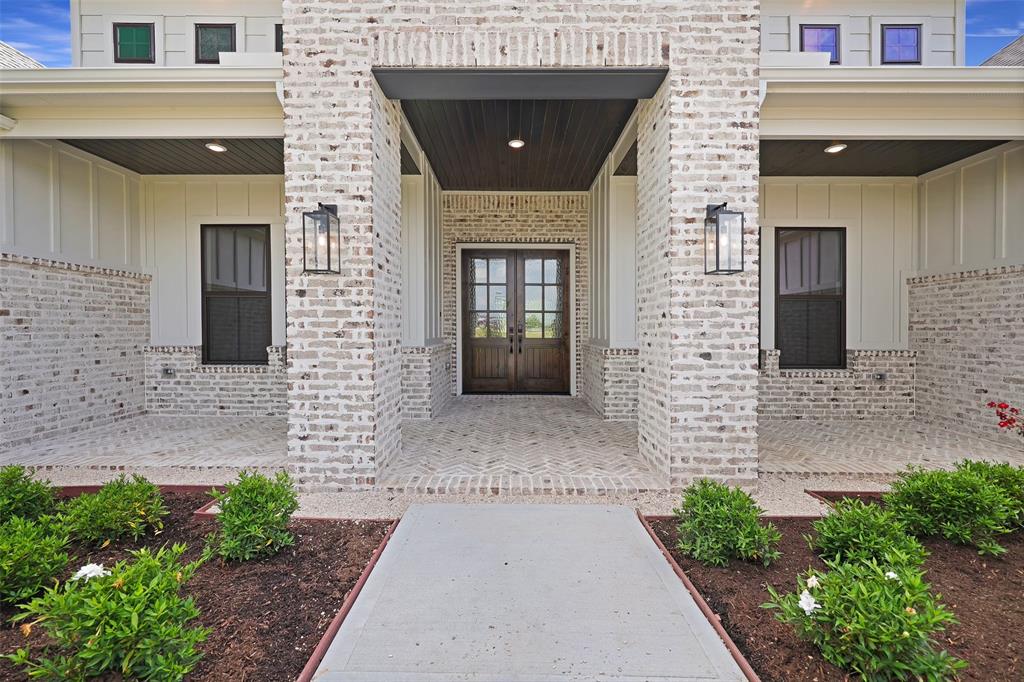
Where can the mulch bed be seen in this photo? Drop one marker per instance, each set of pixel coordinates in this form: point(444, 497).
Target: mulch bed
point(267, 616)
point(832, 496)
point(986, 594)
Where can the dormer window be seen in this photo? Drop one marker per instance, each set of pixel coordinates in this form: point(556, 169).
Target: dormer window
point(133, 44)
point(211, 40)
point(820, 38)
point(901, 44)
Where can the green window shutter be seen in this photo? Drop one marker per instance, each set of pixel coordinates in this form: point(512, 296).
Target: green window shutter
point(134, 43)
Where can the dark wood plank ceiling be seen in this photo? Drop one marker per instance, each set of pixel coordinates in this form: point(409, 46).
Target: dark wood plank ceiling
point(466, 141)
point(627, 165)
point(248, 156)
point(866, 157)
point(409, 166)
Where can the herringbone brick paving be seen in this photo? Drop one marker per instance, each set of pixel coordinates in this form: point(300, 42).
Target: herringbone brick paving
point(869, 447)
point(519, 444)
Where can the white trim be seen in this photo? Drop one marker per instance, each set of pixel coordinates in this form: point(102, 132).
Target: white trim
point(76, 33)
point(570, 247)
point(960, 31)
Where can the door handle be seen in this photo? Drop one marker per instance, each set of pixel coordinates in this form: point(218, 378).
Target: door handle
point(511, 340)
point(520, 338)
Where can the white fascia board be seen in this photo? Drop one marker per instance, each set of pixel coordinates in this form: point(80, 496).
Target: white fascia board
point(925, 79)
point(15, 80)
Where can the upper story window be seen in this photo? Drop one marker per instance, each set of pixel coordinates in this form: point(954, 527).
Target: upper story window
point(211, 40)
point(810, 304)
point(820, 38)
point(278, 38)
point(133, 44)
point(901, 44)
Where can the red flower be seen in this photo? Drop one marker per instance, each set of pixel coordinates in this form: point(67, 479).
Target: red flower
point(1003, 406)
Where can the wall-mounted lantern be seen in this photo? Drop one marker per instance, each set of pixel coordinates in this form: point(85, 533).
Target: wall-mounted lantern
point(321, 239)
point(723, 241)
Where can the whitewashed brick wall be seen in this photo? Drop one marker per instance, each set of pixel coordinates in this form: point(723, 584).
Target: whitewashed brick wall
point(426, 380)
point(520, 219)
point(851, 393)
point(968, 331)
point(72, 340)
point(698, 141)
point(609, 381)
point(211, 390)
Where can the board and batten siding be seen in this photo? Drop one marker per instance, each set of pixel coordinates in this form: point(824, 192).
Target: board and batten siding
point(880, 218)
point(173, 22)
point(972, 212)
point(943, 27)
point(613, 259)
point(175, 207)
point(64, 204)
point(422, 248)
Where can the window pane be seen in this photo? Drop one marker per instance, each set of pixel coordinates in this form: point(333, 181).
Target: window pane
point(497, 325)
point(479, 270)
point(253, 329)
point(810, 304)
point(826, 261)
point(553, 297)
point(222, 329)
point(534, 298)
point(534, 328)
point(498, 298)
point(552, 271)
point(822, 39)
point(533, 271)
point(901, 44)
point(552, 325)
point(212, 40)
point(134, 43)
point(480, 297)
point(498, 270)
point(478, 325)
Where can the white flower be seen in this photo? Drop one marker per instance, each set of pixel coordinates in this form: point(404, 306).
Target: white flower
point(807, 603)
point(891, 575)
point(813, 582)
point(90, 571)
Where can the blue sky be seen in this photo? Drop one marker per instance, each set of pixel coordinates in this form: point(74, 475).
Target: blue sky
point(41, 28)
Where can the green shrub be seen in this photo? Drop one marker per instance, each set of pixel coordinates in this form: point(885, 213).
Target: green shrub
point(718, 523)
point(130, 621)
point(21, 495)
point(254, 515)
point(31, 556)
point(875, 619)
point(1008, 478)
point(121, 508)
point(855, 531)
point(961, 506)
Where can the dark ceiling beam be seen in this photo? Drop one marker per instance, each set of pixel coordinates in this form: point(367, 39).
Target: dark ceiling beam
point(506, 84)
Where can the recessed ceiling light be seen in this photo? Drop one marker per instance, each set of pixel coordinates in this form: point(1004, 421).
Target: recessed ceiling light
point(835, 148)
point(216, 147)
point(516, 143)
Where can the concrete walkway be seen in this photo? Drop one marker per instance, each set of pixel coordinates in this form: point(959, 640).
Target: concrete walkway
point(514, 593)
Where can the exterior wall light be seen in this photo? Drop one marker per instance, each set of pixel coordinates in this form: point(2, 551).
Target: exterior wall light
point(723, 241)
point(321, 239)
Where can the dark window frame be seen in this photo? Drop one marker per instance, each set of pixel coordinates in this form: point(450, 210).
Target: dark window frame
point(205, 295)
point(152, 42)
point(234, 38)
point(837, 29)
point(841, 340)
point(920, 49)
point(279, 38)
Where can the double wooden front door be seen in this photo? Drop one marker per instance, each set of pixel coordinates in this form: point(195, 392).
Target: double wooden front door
point(516, 321)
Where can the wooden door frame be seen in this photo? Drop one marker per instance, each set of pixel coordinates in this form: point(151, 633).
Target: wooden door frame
point(522, 246)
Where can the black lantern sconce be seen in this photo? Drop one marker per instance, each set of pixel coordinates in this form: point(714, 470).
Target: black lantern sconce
point(321, 239)
point(723, 241)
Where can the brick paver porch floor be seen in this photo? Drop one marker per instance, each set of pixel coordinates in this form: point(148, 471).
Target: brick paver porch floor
point(868, 447)
point(519, 444)
point(188, 443)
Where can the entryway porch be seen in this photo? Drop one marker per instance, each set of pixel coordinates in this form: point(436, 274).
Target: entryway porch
point(519, 444)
